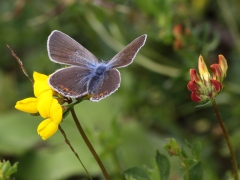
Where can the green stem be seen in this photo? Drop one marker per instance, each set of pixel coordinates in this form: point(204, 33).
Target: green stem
point(225, 133)
point(89, 145)
point(76, 154)
point(187, 174)
point(186, 167)
point(118, 167)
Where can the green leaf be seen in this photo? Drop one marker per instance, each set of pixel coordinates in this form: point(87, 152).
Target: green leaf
point(13, 169)
point(196, 150)
point(183, 152)
point(188, 143)
point(136, 173)
point(195, 172)
point(6, 167)
point(188, 162)
point(163, 165)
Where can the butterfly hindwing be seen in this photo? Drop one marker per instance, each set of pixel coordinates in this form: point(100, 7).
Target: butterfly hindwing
point(105, 86)
point(71, 81)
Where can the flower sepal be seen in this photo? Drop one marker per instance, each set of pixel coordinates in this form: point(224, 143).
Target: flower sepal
point(35, 114)
point(204, 103)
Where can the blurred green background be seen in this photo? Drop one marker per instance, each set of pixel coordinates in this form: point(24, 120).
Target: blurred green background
point(153, 102)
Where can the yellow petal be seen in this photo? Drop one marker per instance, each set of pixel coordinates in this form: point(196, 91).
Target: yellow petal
point(43, 124)
point(203, 70)
point(223, 64)
point(44, 104)
point(56, 112)
point(47, 128)
point(39, 77)
point(47, 93)
point(40, 83)
point(28, 105)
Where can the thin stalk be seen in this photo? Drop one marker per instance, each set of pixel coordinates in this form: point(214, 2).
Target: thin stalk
point(76, 154)
point(89, 145)
point(187, 173)
point(186, 167)
point(225, 133)
point(116, 162)
point(20, 63)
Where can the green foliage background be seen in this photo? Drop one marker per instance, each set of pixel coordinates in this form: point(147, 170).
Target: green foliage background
point(152, 103)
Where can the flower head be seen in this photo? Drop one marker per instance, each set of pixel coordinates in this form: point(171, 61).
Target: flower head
point(207, 86)
point(172, 147)
point(44, 104)
point(52, 111)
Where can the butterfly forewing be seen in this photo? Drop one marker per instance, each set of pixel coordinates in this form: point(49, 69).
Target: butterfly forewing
point(65, 50)
point(126, 56)
point(71, 81)
point(107, 85)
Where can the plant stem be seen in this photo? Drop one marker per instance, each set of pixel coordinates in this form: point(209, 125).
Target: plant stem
point(187, 173)
point(76, 154)
point(225, 133)
point(89, 145)
point(185, 167)
point(20, 63)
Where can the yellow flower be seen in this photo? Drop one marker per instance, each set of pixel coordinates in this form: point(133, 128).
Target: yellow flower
point(49, 108)
point(44, 104)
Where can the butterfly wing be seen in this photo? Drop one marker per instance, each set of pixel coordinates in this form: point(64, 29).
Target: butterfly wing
point(63, 49)
point(126, 56)
point(104, 86)
point(70, 82)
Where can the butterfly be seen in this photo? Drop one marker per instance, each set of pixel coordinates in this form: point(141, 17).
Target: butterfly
point(85, 75)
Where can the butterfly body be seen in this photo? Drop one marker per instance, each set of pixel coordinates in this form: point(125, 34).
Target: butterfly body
point(86, 75)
